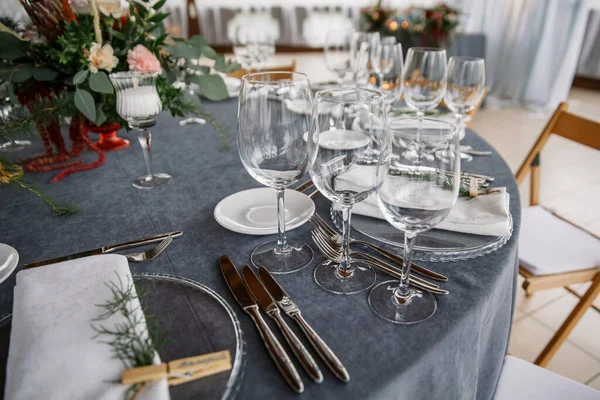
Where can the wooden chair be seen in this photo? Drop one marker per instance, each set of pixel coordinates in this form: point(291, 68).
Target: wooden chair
point(553, 252)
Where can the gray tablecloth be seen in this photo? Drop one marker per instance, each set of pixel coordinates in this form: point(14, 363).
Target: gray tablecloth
point(456, 354)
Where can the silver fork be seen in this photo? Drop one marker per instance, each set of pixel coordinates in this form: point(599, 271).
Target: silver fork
point(335, 239)
point(331, 254)
point(150, 253)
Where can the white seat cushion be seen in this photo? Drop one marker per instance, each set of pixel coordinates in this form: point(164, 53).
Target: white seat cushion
point(522, 380)
point(549, 245)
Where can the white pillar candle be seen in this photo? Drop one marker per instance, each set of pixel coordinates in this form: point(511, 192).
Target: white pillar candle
point(140, 102)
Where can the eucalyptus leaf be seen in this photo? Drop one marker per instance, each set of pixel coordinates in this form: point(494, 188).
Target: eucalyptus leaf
point(85, 103)
point(158, 17)
point(44, 74)
point(80, 77)
point(183, 50)
point(189, 99)
point(198, 42)
point(100, 116)
point(21, 74)
point(100, 83)
point(209, 52)
point(159, 4)
point(220, 63)
point(12, 48)
point(212, 87)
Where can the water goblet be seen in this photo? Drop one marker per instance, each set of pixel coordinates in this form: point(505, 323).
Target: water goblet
point(139, 104)
point(347, 132)
point(466, 86)
point(414, 193)
point(338, 55)
point(273, 116)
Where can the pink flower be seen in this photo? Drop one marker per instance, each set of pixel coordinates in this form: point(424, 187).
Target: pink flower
point(141, 59)
point(102, 57)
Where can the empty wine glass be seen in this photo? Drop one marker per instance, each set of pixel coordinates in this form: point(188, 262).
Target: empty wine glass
point(389, 80)
point(414, 193)
point(424, 78)
point(338, 55)
point(365, 49)
point(139, 104)
point(466, 86)
point(252, 46)
point(347, 132)
point(273, 116)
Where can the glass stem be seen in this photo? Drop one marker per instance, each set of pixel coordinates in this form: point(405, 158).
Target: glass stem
point(403, 292)
point(282, 247)
point(420, 115)
point(145, 139)
point(345, 269)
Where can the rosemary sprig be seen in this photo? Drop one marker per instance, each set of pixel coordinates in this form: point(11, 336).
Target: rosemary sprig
point(443, 180)
point(126, 338)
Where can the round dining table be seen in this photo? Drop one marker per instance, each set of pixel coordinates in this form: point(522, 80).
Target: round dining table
point(456, 354)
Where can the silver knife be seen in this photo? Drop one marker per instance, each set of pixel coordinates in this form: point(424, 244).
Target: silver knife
point(284, 301)
point(245, 300)
point(107, 249)
point(266, 303)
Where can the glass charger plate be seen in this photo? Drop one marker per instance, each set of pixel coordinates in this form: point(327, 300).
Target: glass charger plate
point(197, 321)
point(435, 245)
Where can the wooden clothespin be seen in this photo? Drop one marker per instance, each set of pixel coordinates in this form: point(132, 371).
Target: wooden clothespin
point(181, 370)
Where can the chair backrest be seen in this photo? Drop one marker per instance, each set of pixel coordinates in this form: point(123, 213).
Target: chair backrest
point(567, 125)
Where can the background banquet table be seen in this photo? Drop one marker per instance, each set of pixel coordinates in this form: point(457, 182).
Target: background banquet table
point(456, 354)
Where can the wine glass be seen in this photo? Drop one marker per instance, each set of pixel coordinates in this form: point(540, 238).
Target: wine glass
point(338, 55)
point(414, 193)
point(252, 46)
point(364, 52)
point(347, 132)
point(389, 80)
point(424, 78)
point(139, 104)
point(466, 86)
point(273, 115)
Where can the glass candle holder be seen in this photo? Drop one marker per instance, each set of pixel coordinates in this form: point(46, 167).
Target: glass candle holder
point(139, 104)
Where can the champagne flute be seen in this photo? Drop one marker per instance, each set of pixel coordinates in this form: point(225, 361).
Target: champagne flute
point(338, 55)
point(424, 78)
point(365, 53)
point(347, 132)
point(414, 193)
point(466, 86)
point(273, 115)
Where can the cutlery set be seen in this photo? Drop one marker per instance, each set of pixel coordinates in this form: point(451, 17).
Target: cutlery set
point(254, 294)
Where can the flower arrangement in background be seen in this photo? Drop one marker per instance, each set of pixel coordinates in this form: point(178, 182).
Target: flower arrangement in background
point(58, 67)
point(415, 26)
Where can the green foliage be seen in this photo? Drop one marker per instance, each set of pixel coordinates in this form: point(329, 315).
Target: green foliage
point(67, 54)
point(100, 83)
point(85, 103)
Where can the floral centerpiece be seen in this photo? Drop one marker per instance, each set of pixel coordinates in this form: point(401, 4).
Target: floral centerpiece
point(58, 67)
point(414, 26)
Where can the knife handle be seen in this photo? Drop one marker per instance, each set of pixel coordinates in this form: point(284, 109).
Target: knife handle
point(333, 363)
point(306, 360)
point(279, 356)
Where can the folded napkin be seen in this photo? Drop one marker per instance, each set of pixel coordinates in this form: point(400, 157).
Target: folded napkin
point(486, 214)
point(53, 353)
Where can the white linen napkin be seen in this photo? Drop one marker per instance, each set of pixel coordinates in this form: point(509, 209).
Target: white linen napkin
point(53, 353)
point(486, 214)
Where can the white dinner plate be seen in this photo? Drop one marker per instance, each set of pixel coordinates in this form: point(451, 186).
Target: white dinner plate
point(254, 211)
point(9, 258)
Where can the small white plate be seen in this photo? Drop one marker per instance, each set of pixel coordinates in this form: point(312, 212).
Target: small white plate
point(9, 258)
point(254, 211)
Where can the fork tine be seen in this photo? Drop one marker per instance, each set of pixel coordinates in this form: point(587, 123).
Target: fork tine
point(321, 245)
point(157, 250)
point(321, 232)
point(319, 221)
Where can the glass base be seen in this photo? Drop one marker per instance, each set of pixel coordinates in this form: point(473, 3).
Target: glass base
point(359, 280)
point(299, 256)
point(110, 141)
point(419, 307)
point(15, 145)
point(152, 181)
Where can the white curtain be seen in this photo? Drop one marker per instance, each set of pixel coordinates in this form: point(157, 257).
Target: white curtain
point(532, 47)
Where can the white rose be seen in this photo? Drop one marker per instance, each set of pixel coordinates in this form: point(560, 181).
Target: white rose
point(113, 8)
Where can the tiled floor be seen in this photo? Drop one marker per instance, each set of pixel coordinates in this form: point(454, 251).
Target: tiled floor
point(571, 186)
